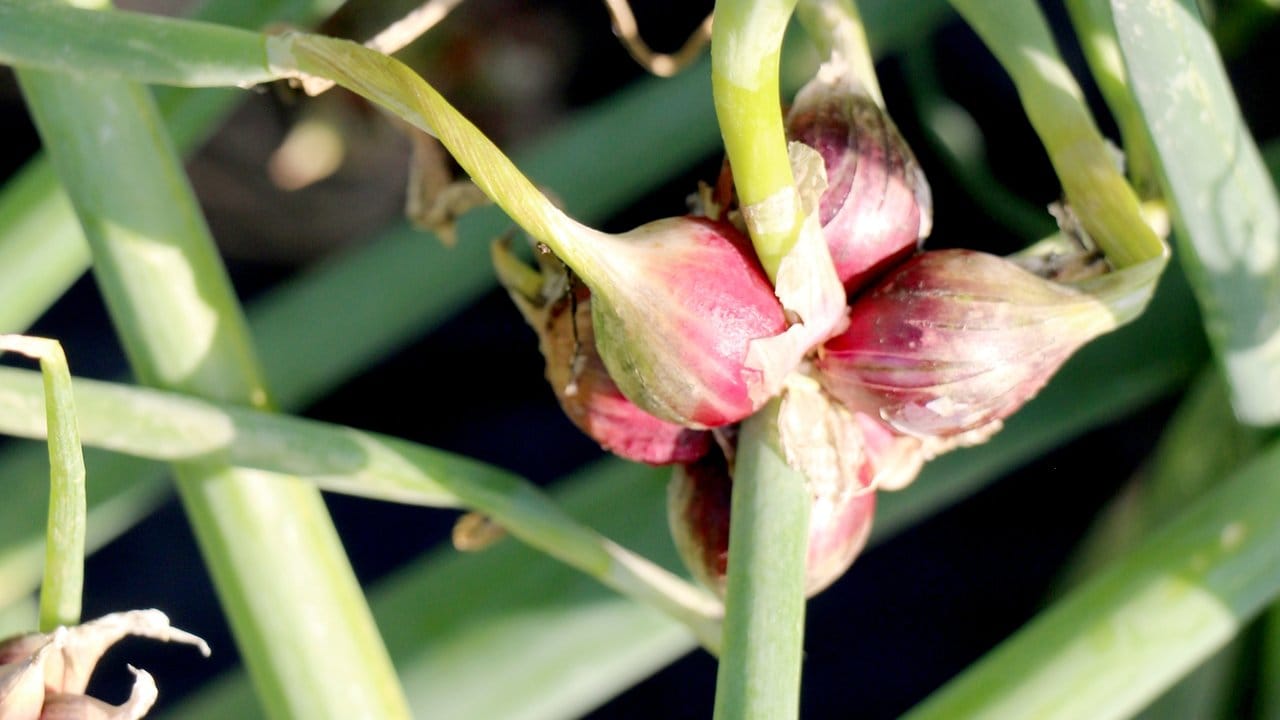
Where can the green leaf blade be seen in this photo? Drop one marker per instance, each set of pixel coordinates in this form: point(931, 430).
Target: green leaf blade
point(1115, 643)
point(1225, 207)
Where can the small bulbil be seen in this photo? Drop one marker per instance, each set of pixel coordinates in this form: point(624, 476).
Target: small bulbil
point(698, 501)
point(877, 206)
point(953, 341)
point(560, 313)
point(675, 305)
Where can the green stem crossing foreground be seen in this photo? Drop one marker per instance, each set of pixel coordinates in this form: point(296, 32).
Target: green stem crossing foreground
point(172, 428)
point(292, 599)
point(759, 673)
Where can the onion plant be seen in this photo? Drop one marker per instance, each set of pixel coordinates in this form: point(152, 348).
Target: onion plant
point(820, 375)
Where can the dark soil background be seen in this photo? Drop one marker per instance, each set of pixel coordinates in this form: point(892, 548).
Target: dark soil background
point(909, 615)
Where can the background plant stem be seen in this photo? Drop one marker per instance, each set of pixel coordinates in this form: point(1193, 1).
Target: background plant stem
point(1095, 28)
point(297, 611)
point(42, 248)
point(1018, 35)
point(1118, 640)
point(1224, 206)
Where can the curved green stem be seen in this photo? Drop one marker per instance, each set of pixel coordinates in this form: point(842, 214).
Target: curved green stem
point(399, 89)
point(63, 584)
point(1096, 30)
point(746, 47)
point(1018, 35)
point(835, 27)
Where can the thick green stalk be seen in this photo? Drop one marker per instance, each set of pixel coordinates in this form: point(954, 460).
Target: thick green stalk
point(70, 39)
point(1117, 641)
point(1017, 34)
point(759, 673)
point(293, 602)
point(746, 47)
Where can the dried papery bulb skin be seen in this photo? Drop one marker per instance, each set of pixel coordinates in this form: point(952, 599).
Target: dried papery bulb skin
point(674, 323)
point(22, 690)
point(839, 526)
point(953, 341)
point(20, 647)
point(44, 676)
point(877, 207)
point(560, 313)
point(840, 449)
point(68, 706)
point(698, 503)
